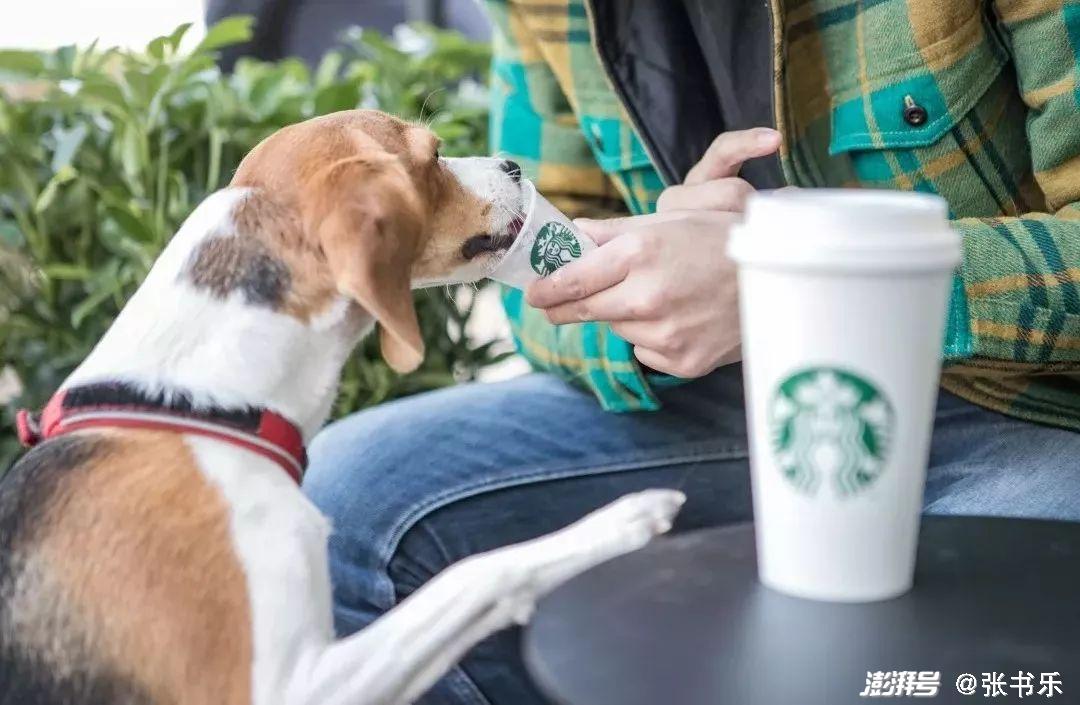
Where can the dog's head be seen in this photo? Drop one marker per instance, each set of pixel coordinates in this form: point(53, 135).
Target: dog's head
point(376, 211)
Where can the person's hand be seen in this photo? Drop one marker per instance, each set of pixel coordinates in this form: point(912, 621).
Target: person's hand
point(664, 281)
point(713, 183)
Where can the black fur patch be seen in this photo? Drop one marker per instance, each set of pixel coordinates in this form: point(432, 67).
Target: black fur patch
point(26, 681)
point(27, 488)
point(122, 394)
point(26, 492)
point(223, 265)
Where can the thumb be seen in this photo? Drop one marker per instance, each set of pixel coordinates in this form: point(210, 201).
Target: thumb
point(726, 155)
point(601, 231)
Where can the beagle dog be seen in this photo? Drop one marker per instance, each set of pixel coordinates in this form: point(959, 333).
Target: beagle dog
point(155, 546)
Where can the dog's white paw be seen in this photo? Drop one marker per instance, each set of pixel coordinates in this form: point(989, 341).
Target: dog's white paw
point(537, 567)
point(635, 519)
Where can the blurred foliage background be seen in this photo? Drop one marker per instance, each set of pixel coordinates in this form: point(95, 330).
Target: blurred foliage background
point(104, 152)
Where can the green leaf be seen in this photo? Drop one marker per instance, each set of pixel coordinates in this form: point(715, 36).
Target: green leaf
point(177, 36)
point(139, 88)
point(213, 171)
point(156, 47)
point(193, 66)
point(10, 234)
point(329, 68)
point(296, 70)
point(65, 58)
point(68, 272)
point(104, 93)
point(265, 93)
point(155, 79)
point(342, 96)
point(91, 302)
point(68, 142)
point(52, 188)
point(451, 131)
point(88, 59)
point(119, 245)
point(231, 30)
point(131, 223)
point(132, 153)
point(21, 64)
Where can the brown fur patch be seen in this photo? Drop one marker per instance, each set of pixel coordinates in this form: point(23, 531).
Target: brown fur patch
point(139, 550)
point(224, 265)
point(367, 166)
point(278, 228)
point(462, 215)
point(371, 239)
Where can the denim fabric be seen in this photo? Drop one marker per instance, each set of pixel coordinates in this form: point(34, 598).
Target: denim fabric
point(417, 484)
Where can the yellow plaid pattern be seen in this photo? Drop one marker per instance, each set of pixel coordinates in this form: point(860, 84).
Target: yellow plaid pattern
point(1000, 142)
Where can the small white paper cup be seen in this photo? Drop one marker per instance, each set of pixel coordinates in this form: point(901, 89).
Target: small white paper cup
point(548, 240)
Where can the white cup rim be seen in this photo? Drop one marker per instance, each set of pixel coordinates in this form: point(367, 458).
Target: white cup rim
point(841, 230)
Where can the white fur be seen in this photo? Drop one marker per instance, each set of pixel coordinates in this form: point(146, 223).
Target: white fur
point(484, 177)
point(281, 541)
point(171, 337)
point(280, 538)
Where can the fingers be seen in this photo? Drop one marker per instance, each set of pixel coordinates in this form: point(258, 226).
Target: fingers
point(652, 334)
point(602, 231)
point(614, 304)
point(685, 365)
point(728, 194)
point(660, 362)
point(662, 346)
point(598, 270)
point(729, 151)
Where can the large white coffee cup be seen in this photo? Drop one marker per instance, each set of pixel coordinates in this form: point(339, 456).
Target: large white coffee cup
point(547, 241)
point(844, 296)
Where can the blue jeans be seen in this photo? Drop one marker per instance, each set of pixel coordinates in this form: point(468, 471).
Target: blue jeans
point(415, 485)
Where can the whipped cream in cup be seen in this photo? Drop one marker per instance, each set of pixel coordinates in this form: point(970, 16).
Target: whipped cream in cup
point(547, 241)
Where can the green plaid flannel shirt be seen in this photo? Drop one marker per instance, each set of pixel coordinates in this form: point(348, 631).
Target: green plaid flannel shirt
point(1001, 143)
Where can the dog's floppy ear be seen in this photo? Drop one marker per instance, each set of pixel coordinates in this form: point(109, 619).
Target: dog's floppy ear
point(368, 221)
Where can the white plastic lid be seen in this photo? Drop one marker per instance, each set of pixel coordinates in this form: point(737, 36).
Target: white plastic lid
point(846, 230)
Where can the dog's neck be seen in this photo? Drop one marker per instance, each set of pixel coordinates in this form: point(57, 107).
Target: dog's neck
point(223, 352)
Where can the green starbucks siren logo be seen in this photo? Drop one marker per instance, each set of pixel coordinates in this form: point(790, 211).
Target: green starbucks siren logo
point(555, 246)
point(830, 424)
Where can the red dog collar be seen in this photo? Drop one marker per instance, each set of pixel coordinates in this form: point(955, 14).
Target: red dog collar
point(116, 405)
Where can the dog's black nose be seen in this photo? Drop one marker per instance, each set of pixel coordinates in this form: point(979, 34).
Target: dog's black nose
point(512, 169)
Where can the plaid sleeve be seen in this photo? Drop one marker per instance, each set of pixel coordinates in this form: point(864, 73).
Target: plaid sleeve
point(1018, 281)
point(532, 123)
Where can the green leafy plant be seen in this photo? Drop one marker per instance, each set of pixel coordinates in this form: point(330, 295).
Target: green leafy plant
point(115, 148)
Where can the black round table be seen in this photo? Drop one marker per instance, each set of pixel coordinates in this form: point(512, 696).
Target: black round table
point(686, 622)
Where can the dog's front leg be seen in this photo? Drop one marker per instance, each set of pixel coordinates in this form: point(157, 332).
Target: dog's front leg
point(400, 656)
